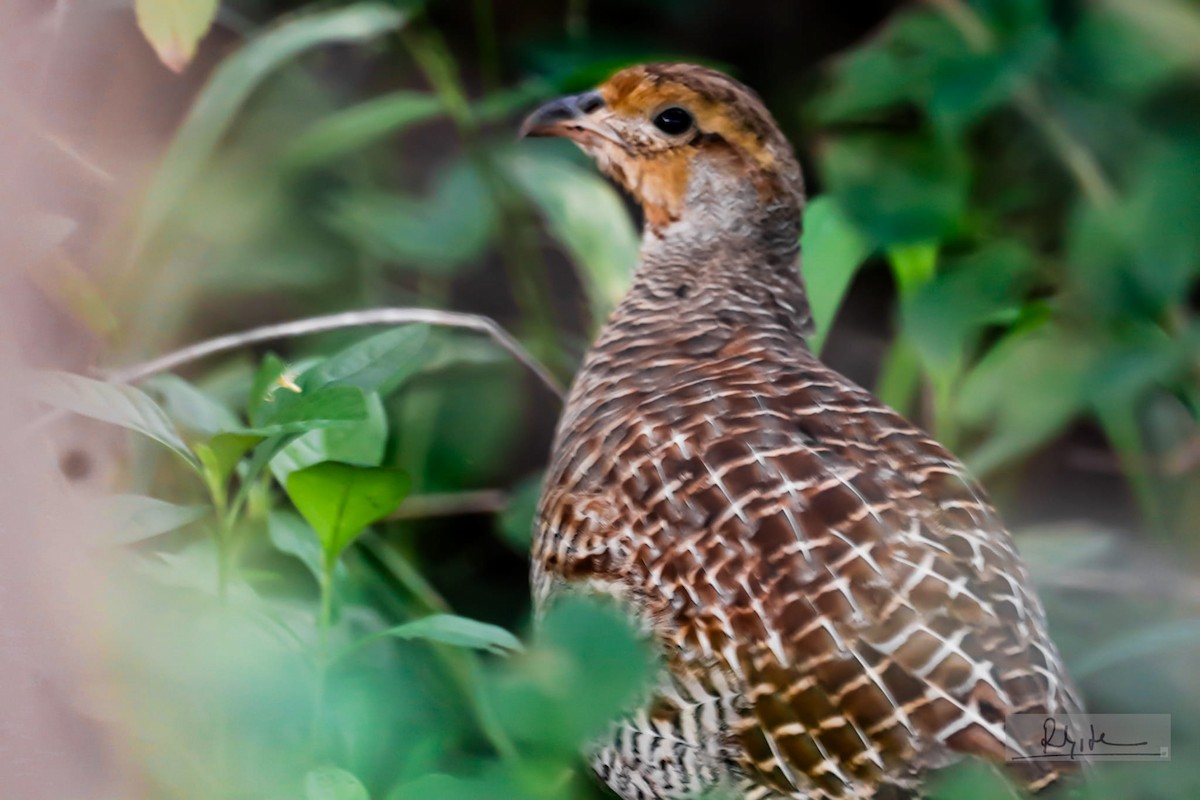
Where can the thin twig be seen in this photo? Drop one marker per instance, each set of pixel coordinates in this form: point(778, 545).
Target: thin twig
point(450, 504)
point(346, 319)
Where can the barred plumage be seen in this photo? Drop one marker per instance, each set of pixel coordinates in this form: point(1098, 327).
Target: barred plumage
point(839, 607)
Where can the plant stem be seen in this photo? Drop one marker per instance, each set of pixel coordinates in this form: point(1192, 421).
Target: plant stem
point(324, 622)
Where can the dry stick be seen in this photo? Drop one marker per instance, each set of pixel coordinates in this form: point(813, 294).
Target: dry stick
point(347, 319)
point(301, 327)
point(451, 504)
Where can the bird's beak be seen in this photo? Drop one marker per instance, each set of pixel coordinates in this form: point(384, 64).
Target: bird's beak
point(569, 117)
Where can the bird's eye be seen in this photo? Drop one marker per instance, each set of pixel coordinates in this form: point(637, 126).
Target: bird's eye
point(673, 120)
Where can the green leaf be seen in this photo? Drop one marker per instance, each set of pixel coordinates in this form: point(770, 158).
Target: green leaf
point(379, 363)
point(898, 189)
point(191, 408)
point(974, 780)
point(587, 217)
point(286, 411)
point(230, 87)
point(945, 315)
point(1050, 365)
point(221, 454)
point(134, 518)
point(340, 500)
point(331, 783)
point(436, 233)
point(362, 443)
point(449, 787)
point(175, 27)
point(587, 664)
point(454, 630)
point(356, 128)
point(113, 403)
point(290, 534)
point(832, 249)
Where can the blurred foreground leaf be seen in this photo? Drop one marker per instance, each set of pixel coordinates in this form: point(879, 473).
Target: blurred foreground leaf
point(340, 500)
point(331, 783)
point(975, 780)
point(587, 665)
point(455, 630)
point(229, 88)
point(191, 408)
point(134, 518)
point(113, 403)
point(175, 27)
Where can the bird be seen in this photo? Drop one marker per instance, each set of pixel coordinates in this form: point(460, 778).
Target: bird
point(839, 610)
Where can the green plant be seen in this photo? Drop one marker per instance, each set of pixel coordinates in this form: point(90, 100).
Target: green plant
point(286, 622)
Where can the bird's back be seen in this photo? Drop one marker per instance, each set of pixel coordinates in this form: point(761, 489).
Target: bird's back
point(839, 606)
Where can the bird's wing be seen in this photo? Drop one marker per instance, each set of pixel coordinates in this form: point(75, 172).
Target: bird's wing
point(778, 523)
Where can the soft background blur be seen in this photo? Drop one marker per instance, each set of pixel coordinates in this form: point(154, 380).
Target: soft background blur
point(1003, 241)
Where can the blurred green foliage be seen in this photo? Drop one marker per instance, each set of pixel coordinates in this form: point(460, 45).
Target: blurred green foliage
point(1025, 172)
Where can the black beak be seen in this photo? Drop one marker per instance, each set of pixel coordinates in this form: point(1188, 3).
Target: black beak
point(555, 117)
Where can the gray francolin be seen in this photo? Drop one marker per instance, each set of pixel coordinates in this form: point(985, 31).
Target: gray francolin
point(839, 608)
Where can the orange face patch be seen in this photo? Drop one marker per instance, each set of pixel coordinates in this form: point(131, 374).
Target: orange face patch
point(641, 92)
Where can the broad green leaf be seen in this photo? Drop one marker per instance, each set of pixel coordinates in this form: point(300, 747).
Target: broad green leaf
point(340, 500)
point(221, 454)
point(435, 233)
point(290, 534)
point(974, 780)
point(191, 408)
point(113, 403)
point(378, 363)
point(297, 413)
point(360, 443)
point(945, 316)
point(175, 27)
point(134, 518)
point(454, 630)
point(284, 410)
point(831, 251)
point(230, 87)
point(586, 665)
point(587, 217)
point(356, 128)
point(1050, 366)
point(449, 787)
point(331, 783)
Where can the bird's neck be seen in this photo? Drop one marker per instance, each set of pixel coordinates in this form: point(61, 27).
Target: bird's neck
point(723, 270)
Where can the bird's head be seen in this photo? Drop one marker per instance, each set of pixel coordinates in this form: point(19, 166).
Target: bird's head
point(695, 148)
